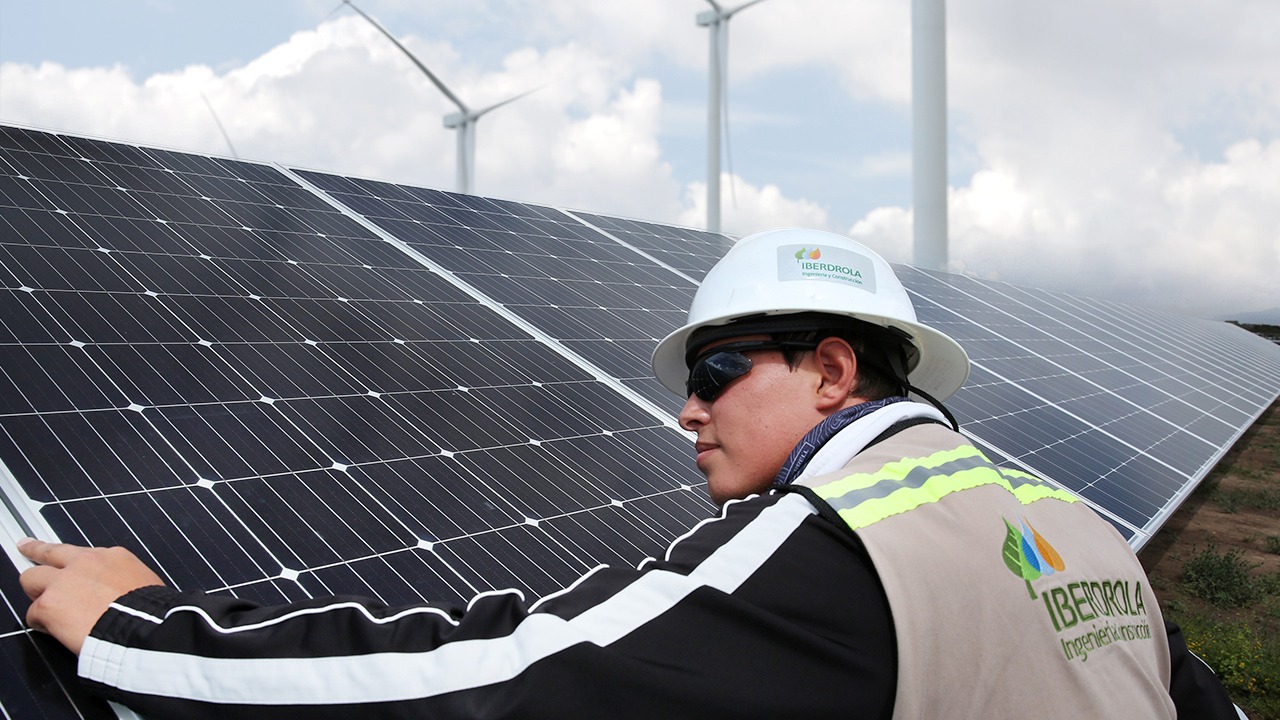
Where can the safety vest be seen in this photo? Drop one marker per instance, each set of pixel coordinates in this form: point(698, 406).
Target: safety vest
point(1009, 597)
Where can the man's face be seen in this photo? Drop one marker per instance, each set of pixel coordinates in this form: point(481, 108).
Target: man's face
point(749, 429)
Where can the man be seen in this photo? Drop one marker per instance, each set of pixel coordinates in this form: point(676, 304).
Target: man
point(868, 562)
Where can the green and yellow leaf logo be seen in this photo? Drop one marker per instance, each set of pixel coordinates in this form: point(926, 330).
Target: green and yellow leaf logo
point(803, 253)
point(1028, 555)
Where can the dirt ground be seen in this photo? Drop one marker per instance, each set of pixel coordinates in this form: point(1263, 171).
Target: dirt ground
point(1228, 510)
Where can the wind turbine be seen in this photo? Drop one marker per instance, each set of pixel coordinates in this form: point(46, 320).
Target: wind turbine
point(717, 20)
point(929, 132)
point(464, 120)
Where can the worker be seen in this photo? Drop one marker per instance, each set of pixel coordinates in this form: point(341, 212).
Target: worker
point(867, 562)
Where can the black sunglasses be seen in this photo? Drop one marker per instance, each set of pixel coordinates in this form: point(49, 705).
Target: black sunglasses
point(712, 372)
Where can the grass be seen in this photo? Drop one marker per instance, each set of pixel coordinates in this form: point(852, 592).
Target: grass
point(1247, 662)
point(1235, 499)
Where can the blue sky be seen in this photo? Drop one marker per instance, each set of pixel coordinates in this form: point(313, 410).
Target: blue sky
point(1122, 149)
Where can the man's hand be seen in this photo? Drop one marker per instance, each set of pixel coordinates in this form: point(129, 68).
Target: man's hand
point(72, 586)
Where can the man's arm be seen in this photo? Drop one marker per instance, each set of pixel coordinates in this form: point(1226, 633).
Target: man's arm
point(71, 587)
point(762, 593)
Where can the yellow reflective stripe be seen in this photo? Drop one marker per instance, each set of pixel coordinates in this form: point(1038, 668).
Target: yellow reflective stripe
point(1028, 494)
point(909, 498)
point(1029, 488)
point(865, 498)
point(896, 470)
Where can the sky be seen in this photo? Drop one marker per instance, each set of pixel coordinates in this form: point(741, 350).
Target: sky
point(1124, 150)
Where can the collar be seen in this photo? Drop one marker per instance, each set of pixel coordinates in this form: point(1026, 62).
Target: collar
point(832, 442)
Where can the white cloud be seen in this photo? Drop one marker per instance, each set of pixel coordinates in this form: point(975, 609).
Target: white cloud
point(611, 161)
point(1203, 239)
point(756, 208)
point(1083, 132)
point(887, 230)
point(342, 98)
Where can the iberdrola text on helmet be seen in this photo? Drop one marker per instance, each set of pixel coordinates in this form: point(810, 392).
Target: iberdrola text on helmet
point(796, 262)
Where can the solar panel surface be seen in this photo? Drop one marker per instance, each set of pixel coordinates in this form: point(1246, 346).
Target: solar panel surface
point(607, 302)
point(206, 362)
point(1127, 407)
point(279, 383)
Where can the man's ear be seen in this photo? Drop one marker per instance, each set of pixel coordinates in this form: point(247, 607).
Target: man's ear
point(837, 367)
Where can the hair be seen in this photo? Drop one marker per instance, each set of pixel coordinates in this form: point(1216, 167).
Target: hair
point(875, 378)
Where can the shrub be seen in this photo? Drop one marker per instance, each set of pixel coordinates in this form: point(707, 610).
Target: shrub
point(1273, 544)
point(1222, 579)
point(1229, 500)
point(1269, 499)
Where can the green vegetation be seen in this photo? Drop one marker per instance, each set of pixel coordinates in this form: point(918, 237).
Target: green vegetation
point(1242, 647)
point(1247, 662)
point(1270, 332)
point(1221, 579)
point(1215, 570)
point(1273, 544)
point(1234, 500)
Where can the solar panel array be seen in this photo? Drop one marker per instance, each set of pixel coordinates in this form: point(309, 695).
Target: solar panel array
point(209, 363)
point(278, 383)
point(1129, 408)
point(602, 300)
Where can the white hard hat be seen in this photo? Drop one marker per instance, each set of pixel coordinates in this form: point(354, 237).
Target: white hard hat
point(783, 272)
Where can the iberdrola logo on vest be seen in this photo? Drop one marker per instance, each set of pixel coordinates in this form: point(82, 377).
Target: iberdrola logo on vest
point(1088, 614)
point(1028, 555)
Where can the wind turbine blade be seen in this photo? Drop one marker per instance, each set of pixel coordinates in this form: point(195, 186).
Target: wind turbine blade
point(476, 115)
point(461, 106)
point(221, 129)
point(335, 10)
point(740, 8)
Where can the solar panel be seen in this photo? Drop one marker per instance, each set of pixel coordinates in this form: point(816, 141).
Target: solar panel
point(589, 291)
point(685, 250)
point(279, 383)
point(1127, 407)
point(209, 363)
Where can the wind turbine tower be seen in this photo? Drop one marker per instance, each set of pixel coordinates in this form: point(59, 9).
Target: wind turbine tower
point(929, 132)
point(464, 120)
point(717, 21)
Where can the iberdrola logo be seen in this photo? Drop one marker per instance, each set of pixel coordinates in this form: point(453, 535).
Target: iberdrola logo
point(1028, 555)
point(805, 253)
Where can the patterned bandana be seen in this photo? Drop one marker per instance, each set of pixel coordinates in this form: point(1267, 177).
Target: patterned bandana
point(824, 431)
